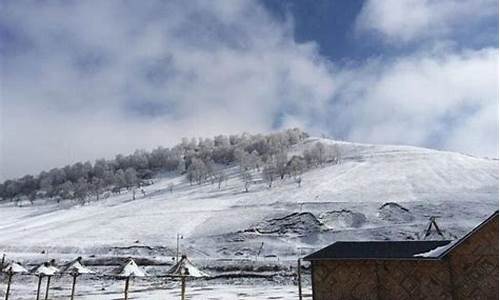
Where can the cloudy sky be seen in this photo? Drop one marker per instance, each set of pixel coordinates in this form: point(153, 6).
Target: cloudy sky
point(82, 80)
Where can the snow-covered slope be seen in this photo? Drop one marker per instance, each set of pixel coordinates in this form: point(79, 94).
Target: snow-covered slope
point(344, 201)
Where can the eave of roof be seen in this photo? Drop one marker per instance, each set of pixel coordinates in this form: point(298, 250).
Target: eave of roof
point(376, 250)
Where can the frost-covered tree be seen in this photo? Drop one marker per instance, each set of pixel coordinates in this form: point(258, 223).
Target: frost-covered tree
point(96, 187)
point(197, 171)
point(269, 174)
point(66, 190)
point(316, 155)
point(119, 179)
point(28, 184)
point(100, 168)
point(108, 178)
point(46, 185)
point(296, 166)
point(240, 156)
point(181, 166)
point(220, 177)
point(248, 151)
point(131, 179)
point(81, 190)
point(280, 164)
point(335, 154)
point(246, 178)
point(140, 160)
point(254, 160)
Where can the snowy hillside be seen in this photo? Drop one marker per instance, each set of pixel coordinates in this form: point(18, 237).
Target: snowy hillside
point(334, 202)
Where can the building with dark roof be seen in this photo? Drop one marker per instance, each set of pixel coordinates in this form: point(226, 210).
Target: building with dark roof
point(462, 269)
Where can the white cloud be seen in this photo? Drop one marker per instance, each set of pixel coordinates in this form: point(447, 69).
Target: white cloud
point(89, 79)
point(94, 78)
point(403, 21)
point(477, 134)
point(430, 100)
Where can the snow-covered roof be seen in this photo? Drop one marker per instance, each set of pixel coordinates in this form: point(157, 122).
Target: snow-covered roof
point(436, 252)
point(76, 267)
point(131, 269)
point(46, 269)
point(185, 267)
point(14, 267)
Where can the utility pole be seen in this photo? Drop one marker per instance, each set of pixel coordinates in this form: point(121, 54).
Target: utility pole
point(179, 237)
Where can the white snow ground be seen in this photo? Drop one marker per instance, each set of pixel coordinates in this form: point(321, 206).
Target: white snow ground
point(335, 202)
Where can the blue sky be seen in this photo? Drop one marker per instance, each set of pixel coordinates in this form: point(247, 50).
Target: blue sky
point(332, 25)
point(81, 80)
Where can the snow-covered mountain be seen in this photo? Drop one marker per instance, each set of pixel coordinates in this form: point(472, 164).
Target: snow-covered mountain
point(376, 192)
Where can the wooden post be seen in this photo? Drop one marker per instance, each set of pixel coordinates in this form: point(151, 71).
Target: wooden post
point(183, 287)
point(299, 279)
point(73, 286)
point(48, 287)
point(3, 261)
point(126, 287)
point(8, 285)
point(39, 285)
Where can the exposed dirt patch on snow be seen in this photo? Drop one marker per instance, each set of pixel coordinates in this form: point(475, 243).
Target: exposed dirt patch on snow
point(340, 219)
point(395, 213)
point(295, 223)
